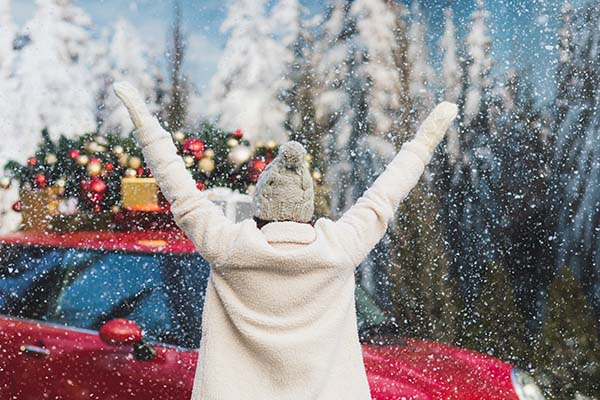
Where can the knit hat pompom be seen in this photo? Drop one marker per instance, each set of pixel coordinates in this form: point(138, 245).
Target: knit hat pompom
point(284, 191)
point(292, 155)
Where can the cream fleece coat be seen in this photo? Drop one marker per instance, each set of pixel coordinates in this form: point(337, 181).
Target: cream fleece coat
point(279, 320)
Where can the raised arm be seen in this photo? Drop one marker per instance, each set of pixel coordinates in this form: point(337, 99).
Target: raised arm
point(365, 223)
point(201, 220)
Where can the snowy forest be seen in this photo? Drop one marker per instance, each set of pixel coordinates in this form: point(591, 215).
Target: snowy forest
point(497, 249)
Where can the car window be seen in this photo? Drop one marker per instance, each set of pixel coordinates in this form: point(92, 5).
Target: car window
point(29, 280)
point(162, 293)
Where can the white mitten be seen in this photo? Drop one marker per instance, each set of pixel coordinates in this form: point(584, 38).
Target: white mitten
point(433, 129)
point(148, 128)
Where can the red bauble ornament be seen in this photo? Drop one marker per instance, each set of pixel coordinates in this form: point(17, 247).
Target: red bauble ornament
point(238, 134)
point(141, 171)
point(31, 161)
point(97, 185)
point(194, 146)
point(41, 181)
point(200, 185)
point(74, 154)
point(109, 166)
point(17, 206)
point(255, 167)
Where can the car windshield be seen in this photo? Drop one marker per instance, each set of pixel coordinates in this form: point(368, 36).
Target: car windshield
point(163, 293)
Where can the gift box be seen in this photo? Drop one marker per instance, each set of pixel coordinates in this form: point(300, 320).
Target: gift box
point(39, 207)
point(141, 194)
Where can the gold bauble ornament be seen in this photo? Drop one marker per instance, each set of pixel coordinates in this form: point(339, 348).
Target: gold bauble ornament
point(115, 209)
point(206, 165)
point(308, 157)
point(118, 150)
point(189, 161)
point(130, 173)
point(4, 182)
point(94, 168)
point(124, 159)
point(239, 155)
point(210, 153)
point(95, 147)
point(135, 162)
point(317, 176)
point(61, 182)
point(50, 159)
point(232, 142)
point(83, 160)
point(179, 136)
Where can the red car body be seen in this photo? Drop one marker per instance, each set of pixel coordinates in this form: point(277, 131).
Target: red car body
point(44, 360)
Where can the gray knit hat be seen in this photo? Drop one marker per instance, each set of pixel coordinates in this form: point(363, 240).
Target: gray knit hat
point(284, 191)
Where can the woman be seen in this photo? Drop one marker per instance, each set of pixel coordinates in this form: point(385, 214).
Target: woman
point(279, 321)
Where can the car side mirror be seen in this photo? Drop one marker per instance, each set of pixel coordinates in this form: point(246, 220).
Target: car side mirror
point(122, 332)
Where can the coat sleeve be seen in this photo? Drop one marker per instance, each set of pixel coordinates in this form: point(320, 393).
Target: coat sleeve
point(365, 223)
point(201, 220)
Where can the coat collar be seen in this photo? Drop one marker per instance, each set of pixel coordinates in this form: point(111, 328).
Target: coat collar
point(289, 232)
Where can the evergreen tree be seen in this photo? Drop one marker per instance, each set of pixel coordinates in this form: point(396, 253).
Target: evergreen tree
point(421, 72)
point(451, 81)
point(127, 58)
point(176, 112)
point(382, 35)
point(577, 150)
point(525, 234)
point(7, 36)
point(245, 93)
point(567, 356)
point(497, 326)
point(57, 56)
point(469, 188)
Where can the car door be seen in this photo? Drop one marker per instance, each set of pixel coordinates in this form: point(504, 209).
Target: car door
point(72, 362)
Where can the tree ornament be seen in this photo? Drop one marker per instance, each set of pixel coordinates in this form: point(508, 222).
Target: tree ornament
point(232, 142)
point(16, 207)
point(141, 171)
point(130, 173)
point(193, 146)
point(206, 165)
point(308, 157)
point(179, 136)
point(94, 147)
point(31, 161)
point(118, 150)
point(83, 160)
point(200, 185)
point(74, 154)
point(239, 155)
point(210, 153)
point(50, 159)
point(317, 175)
point(61, 182)
point(94, 167)
point(271, 144)
point(255, 167)
point(108, 167)
point(124, 159)
point(238, 134)
point(189, 161)
point(5, 182)
point(115, 209)
point(135, 162)
point(98, 185)
point(41, 181)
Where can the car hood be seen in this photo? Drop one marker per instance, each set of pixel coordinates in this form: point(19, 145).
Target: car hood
point(421, 370)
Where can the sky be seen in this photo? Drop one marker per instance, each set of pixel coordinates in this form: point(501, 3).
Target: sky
point(524, 31)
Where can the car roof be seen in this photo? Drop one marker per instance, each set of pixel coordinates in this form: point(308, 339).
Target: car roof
point(139, 241)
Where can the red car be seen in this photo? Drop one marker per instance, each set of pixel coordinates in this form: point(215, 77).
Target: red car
point(72, 306)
